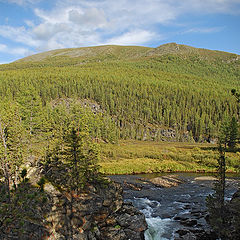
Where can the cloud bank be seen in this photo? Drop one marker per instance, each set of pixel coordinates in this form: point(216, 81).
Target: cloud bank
point(96, 22)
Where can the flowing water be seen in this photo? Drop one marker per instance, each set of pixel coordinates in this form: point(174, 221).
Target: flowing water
point(158, 228)
point(161, 205)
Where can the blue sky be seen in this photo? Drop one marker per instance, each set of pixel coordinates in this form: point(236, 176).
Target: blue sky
point(32, 26)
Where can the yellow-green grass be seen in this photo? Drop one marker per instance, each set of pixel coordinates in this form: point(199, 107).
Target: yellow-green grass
point(129, 157)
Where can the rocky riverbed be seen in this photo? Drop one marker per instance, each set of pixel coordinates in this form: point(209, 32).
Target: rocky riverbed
point(174, 206)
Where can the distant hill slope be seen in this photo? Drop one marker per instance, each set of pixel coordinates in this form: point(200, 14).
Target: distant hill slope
point(174, 92)
point(184, 50)
point(111, 52)
point(108, 51)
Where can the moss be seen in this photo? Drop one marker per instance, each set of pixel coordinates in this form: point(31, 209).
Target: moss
point(117, 227)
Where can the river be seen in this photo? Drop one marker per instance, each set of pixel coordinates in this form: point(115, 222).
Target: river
point(166, 209)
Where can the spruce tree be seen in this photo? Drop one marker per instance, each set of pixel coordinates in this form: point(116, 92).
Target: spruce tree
point(73, 162)
point(216, 203)
point(229, 133)
point(81, 156)
point(74, 159)
point(233, 133)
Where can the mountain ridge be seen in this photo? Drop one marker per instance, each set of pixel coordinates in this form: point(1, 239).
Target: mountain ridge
point(117, 52)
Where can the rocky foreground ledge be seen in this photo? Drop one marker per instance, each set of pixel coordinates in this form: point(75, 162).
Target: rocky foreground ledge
point(97, 214)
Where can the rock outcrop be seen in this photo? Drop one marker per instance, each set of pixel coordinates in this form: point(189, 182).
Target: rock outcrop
point(165, 181)
point(97, 214)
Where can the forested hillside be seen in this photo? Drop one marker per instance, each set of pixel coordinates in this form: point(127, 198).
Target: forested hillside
point(173, 92)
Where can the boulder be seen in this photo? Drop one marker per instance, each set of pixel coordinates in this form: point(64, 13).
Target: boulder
point(165, 181)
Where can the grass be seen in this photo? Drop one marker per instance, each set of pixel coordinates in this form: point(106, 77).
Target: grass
point(132, 157)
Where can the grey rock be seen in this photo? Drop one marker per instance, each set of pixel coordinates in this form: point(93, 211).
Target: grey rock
point(189, 222)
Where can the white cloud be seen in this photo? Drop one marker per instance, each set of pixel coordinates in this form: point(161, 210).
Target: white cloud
point(46, 31)
point(20, 51)
point(212, 6)
point(100, 22)
point(3, 48)
point(204, 30)
point(93, 18)
point(136, 37)
point(22, 2)
point(56, 15)
point(18, 34)
point(49, 45)
point(29, 23)
point(68, 27)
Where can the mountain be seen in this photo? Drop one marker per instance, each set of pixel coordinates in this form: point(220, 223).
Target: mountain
point(111, 52)
point(172, 92)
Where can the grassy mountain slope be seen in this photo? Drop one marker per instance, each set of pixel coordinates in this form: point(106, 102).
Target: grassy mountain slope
point(184, 50)
point(108, 52)
point(111, 52)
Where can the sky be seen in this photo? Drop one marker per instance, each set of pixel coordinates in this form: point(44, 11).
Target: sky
point(32, 26)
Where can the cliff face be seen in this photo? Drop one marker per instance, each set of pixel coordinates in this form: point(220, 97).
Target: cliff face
point(97, 214)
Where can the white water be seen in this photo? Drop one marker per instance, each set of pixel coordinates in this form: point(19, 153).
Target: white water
point(157, 227)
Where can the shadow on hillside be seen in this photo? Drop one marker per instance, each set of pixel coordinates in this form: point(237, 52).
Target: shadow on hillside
point(21, 217)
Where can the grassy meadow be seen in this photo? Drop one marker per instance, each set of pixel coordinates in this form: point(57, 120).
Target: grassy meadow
point(133, 157)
